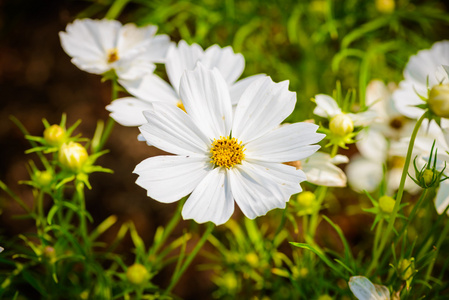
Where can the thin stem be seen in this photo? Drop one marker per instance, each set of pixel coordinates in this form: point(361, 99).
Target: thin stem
point(82, 213)
point(394, 213)
point(177, 275)
point(377, 235)
point(116, 9)
point(437, 248)
point(321, 193)
point(110, 123)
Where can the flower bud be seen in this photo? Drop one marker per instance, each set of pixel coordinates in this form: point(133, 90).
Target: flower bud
point(43, 178)
point(341, 125)
point(428, 176)
point(137, 274)
point(406, 268)
point(252, 259)
point(306, 199)
point(73, 156)
point(439, 100)
point(54, 135)
point(385, 6)
point(325, 297)
point(386, 204)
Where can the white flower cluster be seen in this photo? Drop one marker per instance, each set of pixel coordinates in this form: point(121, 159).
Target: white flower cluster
point(225, 133)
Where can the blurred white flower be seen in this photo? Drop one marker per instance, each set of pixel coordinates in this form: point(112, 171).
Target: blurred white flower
point(1, 249)
point(216, 168)
point(424, 67)
point(97, 46)
point(128, 111)
point(321, 169)
point(364, 289)
point(365, 170)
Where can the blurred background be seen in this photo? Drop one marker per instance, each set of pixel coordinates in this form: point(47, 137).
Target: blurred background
point(309, 43)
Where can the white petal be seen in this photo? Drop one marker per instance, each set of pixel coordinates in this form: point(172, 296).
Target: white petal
point(240, 86)
point(261, 108)
point(132, 38)
point(406, 97)
point(211, 200)
point(286, 177)
point(364, 174)
point(172, 130)
point(129, 111)
point(363, 289)
point(326, 106)
point(363, 118)
point(230, 64)
point(151, 88)
point(133, 68)
point(180, 59)
point(442, 199)
point(158, 48)
point(169, 178)
point(286, 143)
point(372, 145)
point(320, 170)
point(205, 96)
point(255, 191)
point(339, 159)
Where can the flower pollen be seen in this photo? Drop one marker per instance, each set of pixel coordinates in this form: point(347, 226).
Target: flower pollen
point(227, 152)
point(181, 106)
point(112, 55)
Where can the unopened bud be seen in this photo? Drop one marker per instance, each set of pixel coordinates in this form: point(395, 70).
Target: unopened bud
point(137, 274)
point(406, 268)
point(428, 176)
point(341, 125)
point(43, 178)
point(385, 6)
point(252, 259)
point(73, 156)
point(386, 204)
point(54, 135)
point(439, 100)
point(306, 199)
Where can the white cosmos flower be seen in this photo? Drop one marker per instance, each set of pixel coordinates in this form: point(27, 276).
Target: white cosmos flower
point(320, 169)
point(221, 156)
point(128, 111)
point(364, 289)
point(425, 66)
point(97, 46)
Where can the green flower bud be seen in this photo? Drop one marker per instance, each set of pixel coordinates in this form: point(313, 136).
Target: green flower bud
point(43, 178)
point(325, 297)
point(427, 176)
point(306, 199)
point(386, 204)
point(439, 100)
point(341, 125)
point(252, 259)
point(385, 6)
point(54, 135)
point(406, 268)
point(137, 274)
point(73, 156)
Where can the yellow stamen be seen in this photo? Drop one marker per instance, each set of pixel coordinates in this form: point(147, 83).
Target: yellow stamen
point(181, 106)
point(112, 55)
point(227, 152)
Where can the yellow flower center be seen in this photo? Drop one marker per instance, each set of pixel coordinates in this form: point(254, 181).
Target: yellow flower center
point(227, 152)
point(112, 55)
point(181, 106)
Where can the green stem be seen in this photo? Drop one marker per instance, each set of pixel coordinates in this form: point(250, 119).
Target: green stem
point(321, 193)
point(394, 213)
point(40, 220)
point(171, 225)
point(110, 123)
point(437, 248)
point(334, 150)
point(82, 213)
point(377, 235)
point(177, 275)
point(116, 9)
